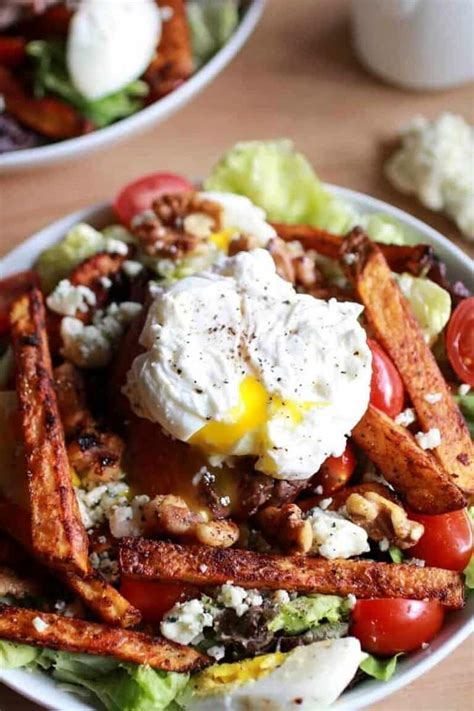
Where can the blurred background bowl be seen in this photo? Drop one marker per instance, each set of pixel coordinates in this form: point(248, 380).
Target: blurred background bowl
point(154, 114)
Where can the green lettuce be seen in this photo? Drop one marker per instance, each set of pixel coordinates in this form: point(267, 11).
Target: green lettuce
point(211, 23)
point(381, 669)
point(57, 262)
point(466, 404)
point(51, 77)
point(118, 686)
point(395, 554)
point(281, 181)
point(382, 228)
point(469, 571)
point(305, 612)
point(430, 303)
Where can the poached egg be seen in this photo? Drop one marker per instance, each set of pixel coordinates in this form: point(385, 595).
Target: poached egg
point(237, 363)
point(307, 678)
point(111, 44)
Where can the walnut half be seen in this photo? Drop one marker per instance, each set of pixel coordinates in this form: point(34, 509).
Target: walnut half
point(382, 518)
point(285, 525)
point(171, 516)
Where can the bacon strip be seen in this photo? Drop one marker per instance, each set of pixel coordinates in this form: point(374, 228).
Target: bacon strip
point(201, 565)
point(401, 258)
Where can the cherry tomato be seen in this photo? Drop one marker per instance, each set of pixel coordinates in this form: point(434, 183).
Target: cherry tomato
point(447, 541)
point(139, 195)
point(12, 51)
point(386, 626)
point(460, 340)
point(386, 387)
point(154, 599)
point(10, 289)
point(336, 471)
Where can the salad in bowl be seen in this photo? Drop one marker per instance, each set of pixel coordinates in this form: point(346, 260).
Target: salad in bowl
point(69, 69)
point(236, 454)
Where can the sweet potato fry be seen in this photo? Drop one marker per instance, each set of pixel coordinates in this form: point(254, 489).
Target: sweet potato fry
point(173, 62)
point(73, 635)
point(103, 599)
point(58, 535)
point(413, 259)
point(202, 565)
point(92, 270)
point(397, 329)
point(414, 473)
point(49, 116)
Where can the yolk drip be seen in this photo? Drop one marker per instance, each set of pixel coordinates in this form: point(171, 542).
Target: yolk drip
point(219, 676)
point(222, 239)
point(250, 416)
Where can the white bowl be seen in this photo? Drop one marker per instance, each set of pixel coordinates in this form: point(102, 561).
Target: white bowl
point(153, 114)
point(458, 626)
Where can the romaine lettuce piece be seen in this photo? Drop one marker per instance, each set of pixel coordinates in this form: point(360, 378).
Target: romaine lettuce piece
point(211, 23)
point(281, 181)
point(381, 669)
point(119, 686)
point(382, 228)
point(15, 656)
point(305, 612)
point(430, 303)
point(57, 262)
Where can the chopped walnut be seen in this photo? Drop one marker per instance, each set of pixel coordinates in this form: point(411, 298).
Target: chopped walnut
point(171, 516)
point(283, 259)
point(293, 266)
point(242, 243)
point(177, 224)
point(382, 518)
point(286, 526)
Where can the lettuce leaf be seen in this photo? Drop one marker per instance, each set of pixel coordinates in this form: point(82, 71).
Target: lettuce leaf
point(430, 303)
point(466, 405)
point(305, 612)
point(51, 76)
point(118, 686)
point(281, 181)
point(381, 669)
point(382, 228)
point(396, 554)
point(211, 23)
point(57, 262)
point(469, 571)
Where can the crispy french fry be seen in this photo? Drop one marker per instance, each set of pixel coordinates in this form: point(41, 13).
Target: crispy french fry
point(397, 329)
point(96, 593)
point(401, 258)
point(201, 565)
point(73, 635)
point(173, 62)
point(103, 599)
point(91, 272)
point(413, 473)
point(57, 533)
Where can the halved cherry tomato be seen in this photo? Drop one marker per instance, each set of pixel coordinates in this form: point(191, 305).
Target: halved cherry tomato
point(447, 541)
point(386, 626)
point(10, 289)
point(386, 387)
point(139, 195)
point(336, 471)
point(153, 599)
point(460, 340)
point(12, 51)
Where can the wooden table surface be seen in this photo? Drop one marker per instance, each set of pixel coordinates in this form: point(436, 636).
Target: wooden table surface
point(297, 78)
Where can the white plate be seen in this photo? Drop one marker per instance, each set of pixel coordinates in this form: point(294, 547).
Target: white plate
point(458, 626)
point(153, 114)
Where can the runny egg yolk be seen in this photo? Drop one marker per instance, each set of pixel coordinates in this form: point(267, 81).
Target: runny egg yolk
point(250, 416)
point(223, 239)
